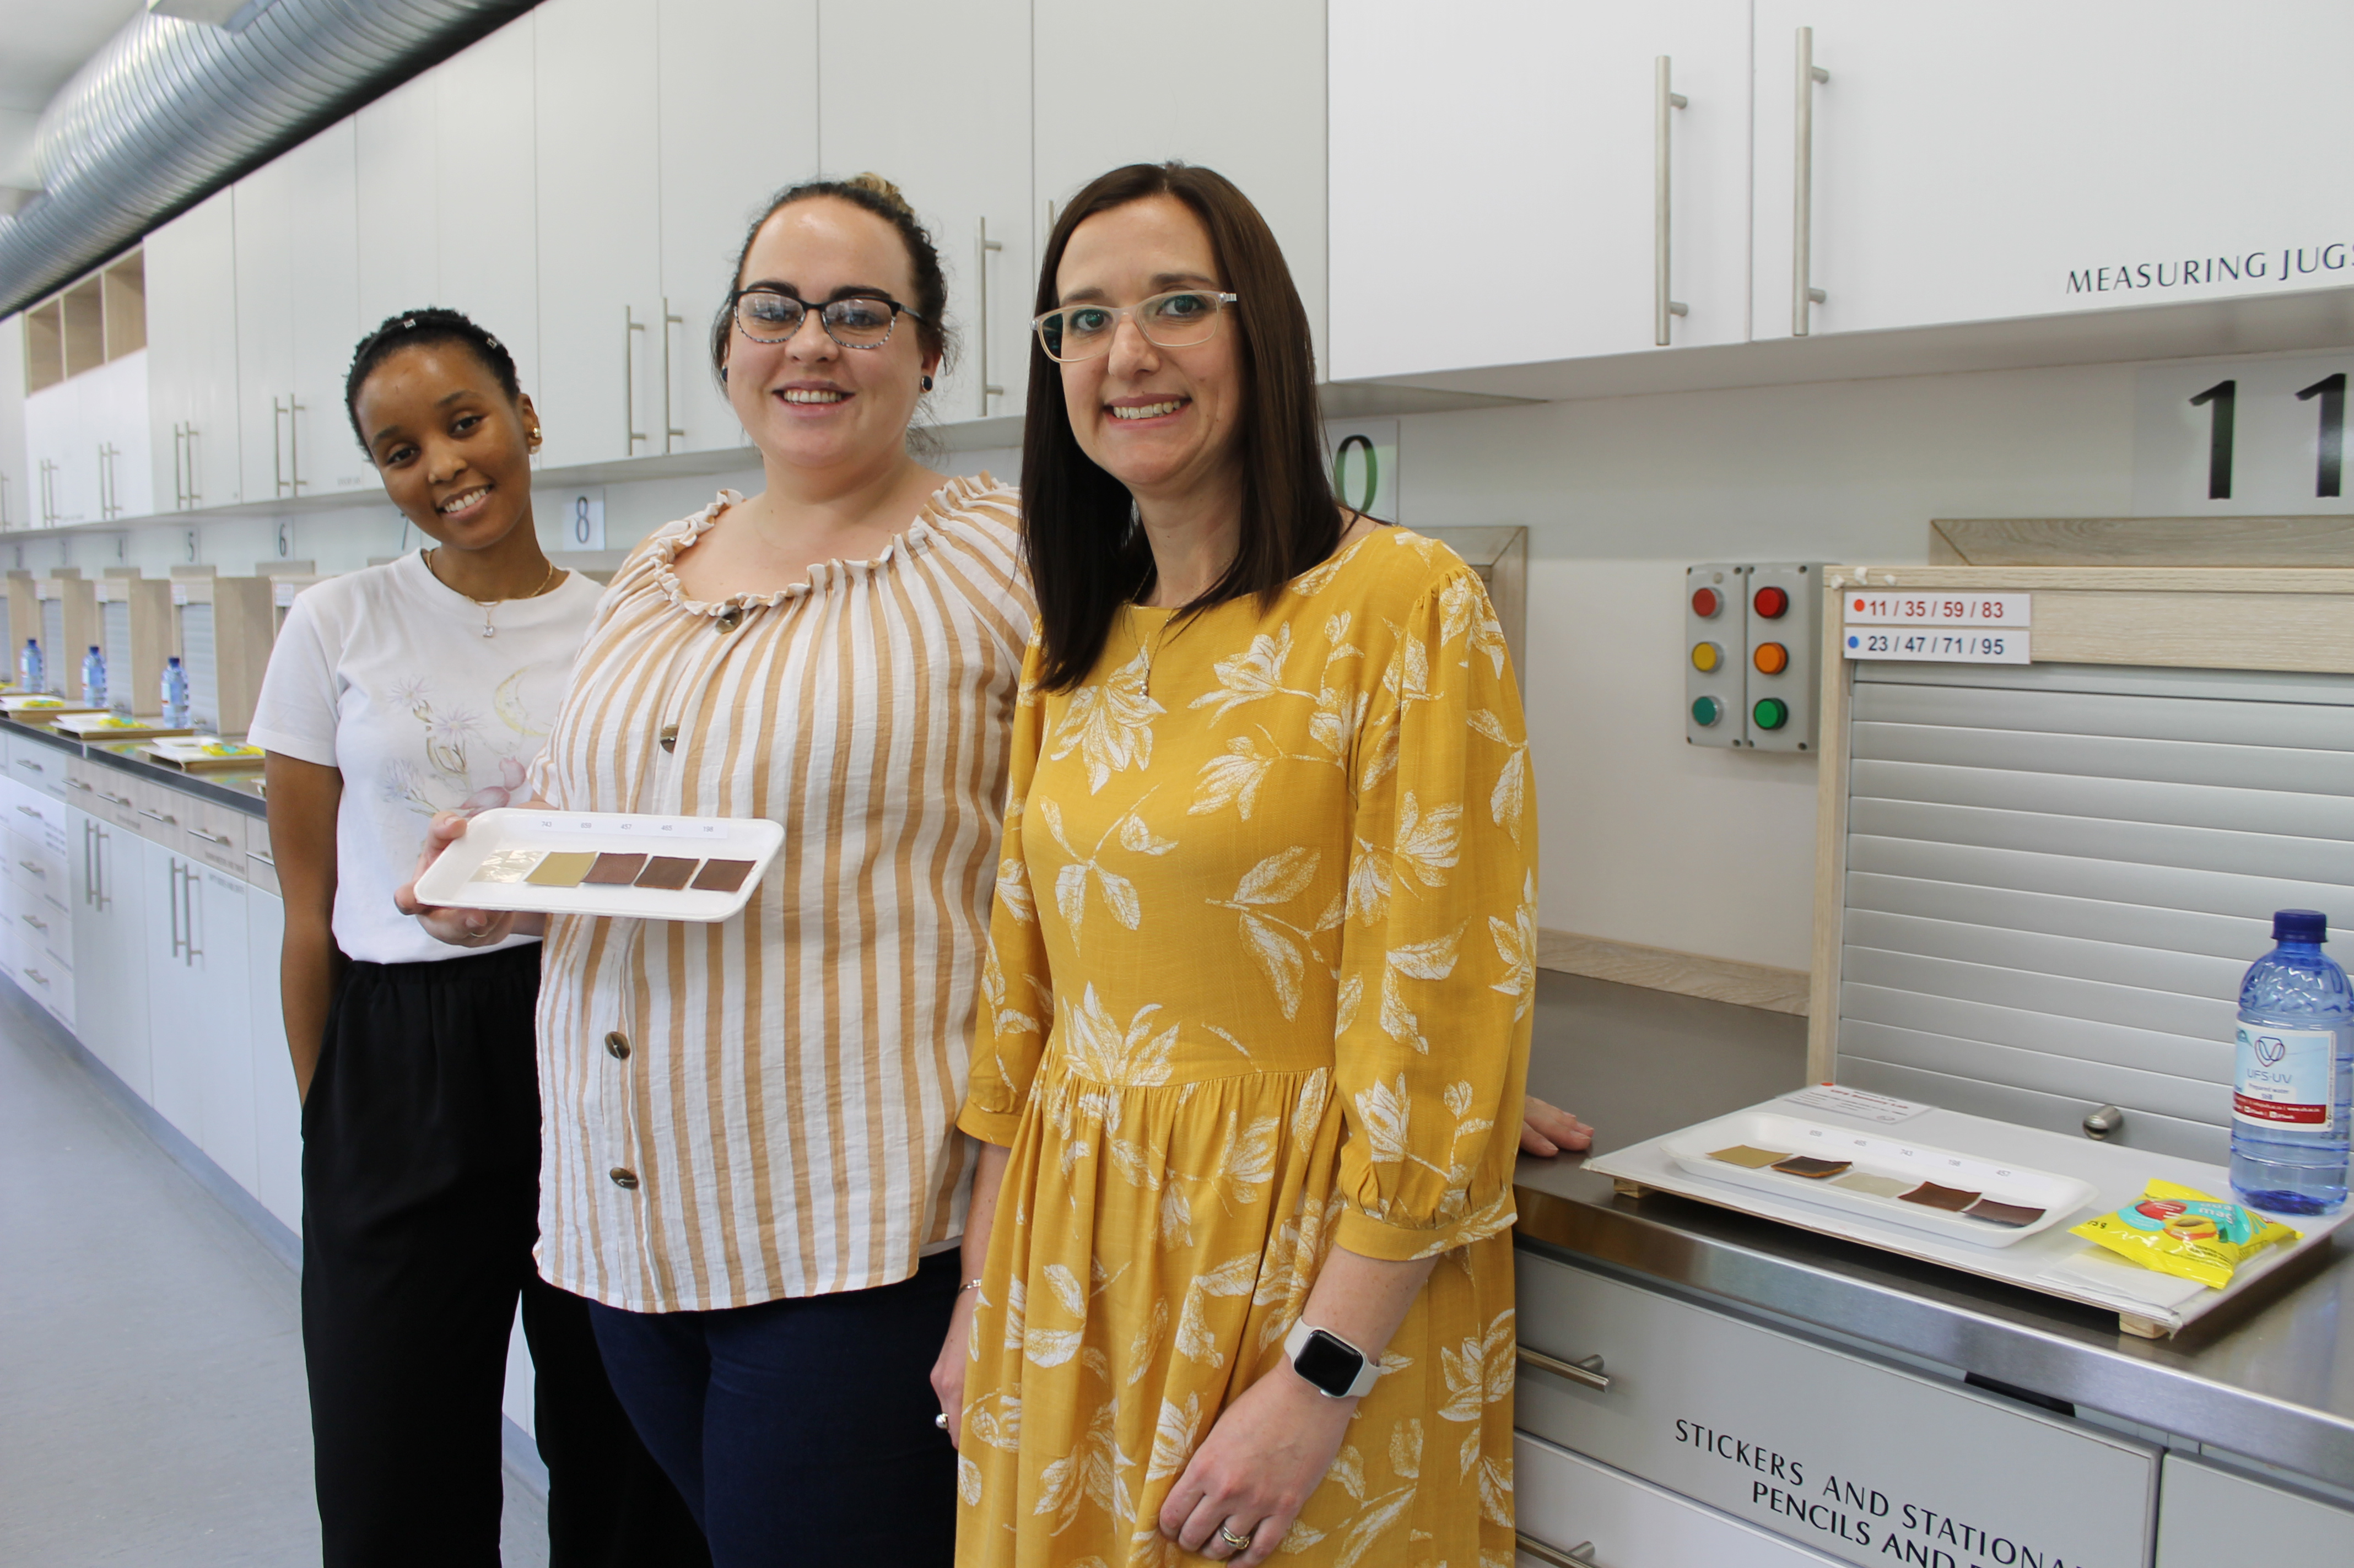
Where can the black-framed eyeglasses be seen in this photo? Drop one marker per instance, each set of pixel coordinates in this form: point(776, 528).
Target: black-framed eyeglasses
point(857, 320)
point(1178, 319)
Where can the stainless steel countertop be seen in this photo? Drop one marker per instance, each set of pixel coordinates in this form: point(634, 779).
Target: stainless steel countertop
point(235, 787)
point(2271, 1377)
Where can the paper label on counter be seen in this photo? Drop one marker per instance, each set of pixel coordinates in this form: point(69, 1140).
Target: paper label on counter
point(1887, 607)
point(1857, 1103)
point(2285, 1076)
point(1960, 647)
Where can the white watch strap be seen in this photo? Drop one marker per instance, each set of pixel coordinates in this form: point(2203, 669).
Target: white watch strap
point(1369, 1372)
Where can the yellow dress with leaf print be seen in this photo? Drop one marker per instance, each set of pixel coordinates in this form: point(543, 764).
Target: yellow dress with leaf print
point(1260, 972)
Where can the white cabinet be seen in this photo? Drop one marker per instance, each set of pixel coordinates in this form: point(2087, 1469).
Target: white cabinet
point(199, 1006)
point(111, 948)
point(399, 201)
point(15, 489)
point(2207, 1516)
point(65, 480)
point(604, 338)
point(1566, 1501)
point(1234, 85)
point(191, 261)
point(36, 897)
point(2019, 159)
point(87, 438)
point(964, 165)
point(277, 1107)
point(297, 320)
point(486, 233)
point(739, 97)
point(1494, 181)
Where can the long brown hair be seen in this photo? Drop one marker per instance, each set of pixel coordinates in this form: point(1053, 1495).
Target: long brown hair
point(1085, 559)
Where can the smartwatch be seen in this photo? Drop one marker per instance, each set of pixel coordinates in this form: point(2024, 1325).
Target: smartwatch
point(1335, 1368)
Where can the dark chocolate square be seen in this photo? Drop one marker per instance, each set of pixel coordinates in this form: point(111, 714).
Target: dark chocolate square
point(1930, 1195)
point(1812, 1169)
point(615, 870)
point(722, 875)
point(667, 872)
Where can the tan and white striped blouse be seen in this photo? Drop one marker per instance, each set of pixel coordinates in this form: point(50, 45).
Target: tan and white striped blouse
point(766, 1107)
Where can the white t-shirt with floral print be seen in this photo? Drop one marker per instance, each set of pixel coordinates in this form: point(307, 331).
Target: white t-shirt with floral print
point(385, 674)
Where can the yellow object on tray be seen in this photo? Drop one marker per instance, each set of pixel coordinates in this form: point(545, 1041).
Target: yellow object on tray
point(2180, 1230)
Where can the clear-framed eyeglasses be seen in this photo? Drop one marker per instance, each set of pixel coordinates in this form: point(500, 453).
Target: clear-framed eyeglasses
point(857, 320)
point(1179, 319)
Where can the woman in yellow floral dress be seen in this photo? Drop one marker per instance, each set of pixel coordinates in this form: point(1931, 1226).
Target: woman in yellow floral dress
point(1257, 1012)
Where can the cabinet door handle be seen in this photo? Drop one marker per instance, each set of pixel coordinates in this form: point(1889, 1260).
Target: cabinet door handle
point(630, 324)
point(196, 488)
point(670, 431)
point(179, 482)
point(1578, 1556)
point(1802, 187)
point(981, 292)
point(1663, 102)
point(98, 878)
point(219, 839)
point(277, 449)
point(1588, 1372)
point(179, 944)
point(188, 901)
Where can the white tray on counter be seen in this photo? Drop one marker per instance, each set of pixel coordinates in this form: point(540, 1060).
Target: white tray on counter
point(2051, 1260)
point(449, 882)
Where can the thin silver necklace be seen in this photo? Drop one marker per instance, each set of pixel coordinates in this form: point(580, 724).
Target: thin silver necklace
point(488, 605)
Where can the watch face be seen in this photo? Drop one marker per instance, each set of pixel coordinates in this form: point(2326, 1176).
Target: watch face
point(1327, 1362)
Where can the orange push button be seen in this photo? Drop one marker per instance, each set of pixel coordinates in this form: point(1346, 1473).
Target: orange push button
point(1771, 658)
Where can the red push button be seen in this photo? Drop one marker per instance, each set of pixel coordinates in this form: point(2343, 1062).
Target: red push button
point(1706, 603)
point(1773, 603)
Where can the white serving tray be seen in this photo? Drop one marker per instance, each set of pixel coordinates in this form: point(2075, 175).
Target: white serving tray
point(114, 727)
point(449, 881)
point(1879, 1153)
point(42, 704)
point(2053, 1262)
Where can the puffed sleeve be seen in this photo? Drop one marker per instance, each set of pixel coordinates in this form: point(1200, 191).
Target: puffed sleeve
point(1017, 990)
point(1438, 953)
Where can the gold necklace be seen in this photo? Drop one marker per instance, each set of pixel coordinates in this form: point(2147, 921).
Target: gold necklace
point(488, 605)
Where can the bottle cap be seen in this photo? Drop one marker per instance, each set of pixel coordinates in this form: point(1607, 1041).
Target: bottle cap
point(93, 647)
point(2300, 925)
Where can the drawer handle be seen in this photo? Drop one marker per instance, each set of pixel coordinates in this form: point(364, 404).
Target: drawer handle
point(209, 838)
point(266, 860)
point(1588, 1372)
point(114, 800)
point(163, 817)
point(36, 870)
point(27, 762)
point(39, 977)
point(1578, 1556)
point(72, 783)
point(37, 925)
point(28, 810)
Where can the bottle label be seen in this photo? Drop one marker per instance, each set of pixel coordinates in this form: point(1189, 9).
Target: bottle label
point(2285, 1076)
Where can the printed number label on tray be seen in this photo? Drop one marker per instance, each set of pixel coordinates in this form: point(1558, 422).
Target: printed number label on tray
point(654, 830)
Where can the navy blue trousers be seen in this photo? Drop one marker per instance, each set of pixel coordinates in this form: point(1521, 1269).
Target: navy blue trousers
point(801, 1431)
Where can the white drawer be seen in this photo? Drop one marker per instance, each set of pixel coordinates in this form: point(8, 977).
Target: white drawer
point(214, 834)
point(36, 766)
point(38, 816)
point(48, 982)
point(261, 868)
point(2207, 1516)
point(1566, 1501)
point(38, 869)
point(157, 812)
point(1834, 1451)
point(44, 937)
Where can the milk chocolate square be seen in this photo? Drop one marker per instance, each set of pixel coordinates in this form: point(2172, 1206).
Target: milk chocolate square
point(667, 872)
point(615, 870)
point(1994, 1214)
point(722, 875)
point(1930, 1195)
point(563, 868)
point(1743, 1155)
point(1812, 1169)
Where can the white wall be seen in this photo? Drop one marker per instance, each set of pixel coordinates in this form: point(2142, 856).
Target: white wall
point(1647, 839)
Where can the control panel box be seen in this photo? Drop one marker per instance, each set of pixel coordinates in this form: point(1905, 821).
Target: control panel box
point(1716, 644)
point(1781, 664)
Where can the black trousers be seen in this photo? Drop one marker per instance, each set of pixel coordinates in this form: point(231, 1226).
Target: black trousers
point(420, 1198)
point(802, 1431)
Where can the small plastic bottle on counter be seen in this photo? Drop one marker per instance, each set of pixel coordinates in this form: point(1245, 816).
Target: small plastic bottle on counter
point(93, 678)
point(32, 675)
point(175, 695)
point(2290, 1101)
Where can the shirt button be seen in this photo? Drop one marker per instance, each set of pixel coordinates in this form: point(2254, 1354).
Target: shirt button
point(617, 1045)
point(669, 737)
point(625, 1178)
point(729, 618)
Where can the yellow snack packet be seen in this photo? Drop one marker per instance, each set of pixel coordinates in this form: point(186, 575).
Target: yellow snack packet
point(2180, 1230)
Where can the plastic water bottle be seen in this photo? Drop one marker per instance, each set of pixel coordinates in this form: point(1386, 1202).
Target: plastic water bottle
point(175, 695)
point(32, 675)
point(93, 678)
point(2290, 1101)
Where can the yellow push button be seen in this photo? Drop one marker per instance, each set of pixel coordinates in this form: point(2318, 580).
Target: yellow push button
point(1706, 656)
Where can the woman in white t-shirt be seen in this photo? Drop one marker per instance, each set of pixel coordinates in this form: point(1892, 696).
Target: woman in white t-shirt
point(422, 685)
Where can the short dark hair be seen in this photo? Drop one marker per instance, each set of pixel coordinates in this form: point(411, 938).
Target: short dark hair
point(868, 193)
point(1085, 559)
point(419, 329)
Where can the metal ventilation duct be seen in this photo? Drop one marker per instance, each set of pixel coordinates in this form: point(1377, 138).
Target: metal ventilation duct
point(171, 110)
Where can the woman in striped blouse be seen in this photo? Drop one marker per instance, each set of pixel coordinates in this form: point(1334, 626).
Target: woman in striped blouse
point(752, 1170)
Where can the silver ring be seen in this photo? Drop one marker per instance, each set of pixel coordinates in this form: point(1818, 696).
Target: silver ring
point(941, 1421)
point(1239, 1543)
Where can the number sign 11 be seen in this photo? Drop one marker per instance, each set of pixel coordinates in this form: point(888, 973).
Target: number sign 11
point(2253, 438)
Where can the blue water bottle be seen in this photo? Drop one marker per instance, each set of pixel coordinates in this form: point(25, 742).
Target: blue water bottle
point(31, 675)
point(2290, 1100)
point(93, 678)
point(175, 695)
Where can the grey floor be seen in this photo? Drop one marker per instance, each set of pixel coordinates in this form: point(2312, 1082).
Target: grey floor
point(151, 1407)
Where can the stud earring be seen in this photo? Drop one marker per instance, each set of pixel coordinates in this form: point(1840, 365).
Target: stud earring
point(927, 383)
point(722, 376)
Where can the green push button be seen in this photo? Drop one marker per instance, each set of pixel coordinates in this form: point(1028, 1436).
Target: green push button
point(1773, 712)
point(1707, 711)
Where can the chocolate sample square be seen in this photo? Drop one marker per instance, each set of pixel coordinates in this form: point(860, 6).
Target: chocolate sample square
point(722, 875)
point(1877, 1186)
point(1742, 1154)
point(615, 870)
point(1812, 1169)
point(668, 872)
point(1994, 1214)
point(1931, 1195)
point(506, 865)
point(563, 868)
